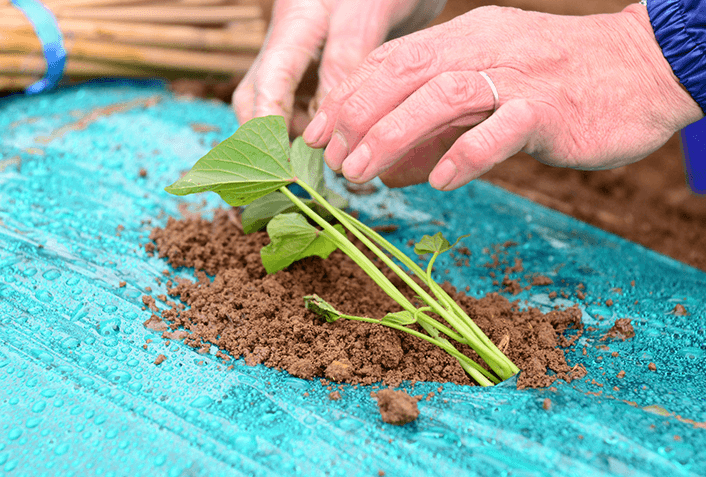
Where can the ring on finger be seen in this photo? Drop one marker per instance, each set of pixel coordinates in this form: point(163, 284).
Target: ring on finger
point(496, 97)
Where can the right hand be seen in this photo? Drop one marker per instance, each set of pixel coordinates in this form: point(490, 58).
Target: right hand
point(339, 33)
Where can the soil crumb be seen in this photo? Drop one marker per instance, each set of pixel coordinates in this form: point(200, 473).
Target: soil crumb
point(622, 330)
point(233, 304)
point(397, 407)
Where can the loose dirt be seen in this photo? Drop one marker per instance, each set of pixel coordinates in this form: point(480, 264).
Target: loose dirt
point(247, 313)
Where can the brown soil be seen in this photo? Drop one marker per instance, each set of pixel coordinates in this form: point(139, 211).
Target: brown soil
point(247, 313)
point(397, 407)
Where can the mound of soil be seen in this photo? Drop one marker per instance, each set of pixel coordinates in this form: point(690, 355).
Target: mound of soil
point(247, 313)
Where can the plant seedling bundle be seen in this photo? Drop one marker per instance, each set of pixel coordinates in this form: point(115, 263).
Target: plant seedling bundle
point(255, 167)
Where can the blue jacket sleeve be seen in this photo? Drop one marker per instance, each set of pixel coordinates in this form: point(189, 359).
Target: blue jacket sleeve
point(680, 28)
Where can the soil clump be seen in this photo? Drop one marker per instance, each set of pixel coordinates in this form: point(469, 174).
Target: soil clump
point(397, 407)
point(234, 305)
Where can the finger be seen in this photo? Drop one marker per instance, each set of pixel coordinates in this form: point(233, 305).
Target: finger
point(506, 132)
point(352, 37)
point(452, 98)
point(244, 96)
point(319, 132)
point(404, 71)
point(415, 166)
point(295, 38)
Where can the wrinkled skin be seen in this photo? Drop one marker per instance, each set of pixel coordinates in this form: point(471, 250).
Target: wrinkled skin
point(590, 92)
point(338, 33)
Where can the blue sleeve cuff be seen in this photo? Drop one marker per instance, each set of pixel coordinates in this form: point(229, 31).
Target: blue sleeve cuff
point(680, 29)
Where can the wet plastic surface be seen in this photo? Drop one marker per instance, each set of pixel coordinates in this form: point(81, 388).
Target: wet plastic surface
point(81, 395)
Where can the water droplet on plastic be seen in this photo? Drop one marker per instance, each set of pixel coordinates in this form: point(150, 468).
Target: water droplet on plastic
point(70, 343)
point(61, 449)
point(348, 424)
point(160, 460)
point(201, 402)
point(39, 406)
point(119, 377)
point(14, 434)
point(52, 274)
point(33, 422)
point(29, 272)
point(44, 296)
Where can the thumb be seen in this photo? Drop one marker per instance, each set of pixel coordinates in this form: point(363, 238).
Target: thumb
point(356, 29)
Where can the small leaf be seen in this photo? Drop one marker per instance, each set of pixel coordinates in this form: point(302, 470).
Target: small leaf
point(321, 308)
point(403, 318)
point(308, 164)
point(293, 238)
point(250, 164)
point(437, 243)
point(260, 211)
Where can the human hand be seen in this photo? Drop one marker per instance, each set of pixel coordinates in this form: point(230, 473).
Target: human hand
point(589, 92)
point(298, 30)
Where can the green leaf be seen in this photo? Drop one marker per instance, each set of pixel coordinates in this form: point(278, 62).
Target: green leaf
point(250, 164)
point(293, 238)
point(260, 211)
point(437, 243)
point(316, 304)
point(403, 318)
point(308, 164)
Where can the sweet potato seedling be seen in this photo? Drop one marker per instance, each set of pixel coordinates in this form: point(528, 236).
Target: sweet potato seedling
point(256, 167)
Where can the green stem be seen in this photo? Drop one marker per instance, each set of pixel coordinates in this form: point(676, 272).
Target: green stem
point(428, 324)
point(439, 292)
point(480, 374)
point(474, 337)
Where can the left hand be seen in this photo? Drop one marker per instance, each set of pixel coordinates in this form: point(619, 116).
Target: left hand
point(587, 92)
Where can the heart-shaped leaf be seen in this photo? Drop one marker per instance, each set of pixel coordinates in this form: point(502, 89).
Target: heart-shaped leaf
point(437, 243)
point(316, 304)
point(251, 163)
point(293, 238)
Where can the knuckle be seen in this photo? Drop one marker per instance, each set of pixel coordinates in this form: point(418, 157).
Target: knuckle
point(411, 59)
point(379, 54)
point(353, 115)
point(389, 134)
point(452, 88)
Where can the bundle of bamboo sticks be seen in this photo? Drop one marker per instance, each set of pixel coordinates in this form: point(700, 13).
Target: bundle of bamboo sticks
point(196, 39)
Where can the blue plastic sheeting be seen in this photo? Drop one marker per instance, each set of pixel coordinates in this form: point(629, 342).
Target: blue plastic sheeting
point(81, 395)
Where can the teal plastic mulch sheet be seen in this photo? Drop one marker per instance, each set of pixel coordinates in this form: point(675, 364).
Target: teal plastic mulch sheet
point(81, 185)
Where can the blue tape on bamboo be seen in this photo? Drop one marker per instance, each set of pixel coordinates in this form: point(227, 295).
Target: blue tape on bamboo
point(50, 36)
point(693, 140)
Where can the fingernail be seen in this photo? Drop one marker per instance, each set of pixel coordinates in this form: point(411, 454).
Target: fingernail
point(354, 166)
point(315, 129)
point(443, 174)
point(336, 151)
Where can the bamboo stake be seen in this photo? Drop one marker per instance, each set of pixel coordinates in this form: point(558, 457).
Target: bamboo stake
point(140, 55)
point(249, 37)
point(34, 64)
point(174, 14)
point(15, 82)
point(168, 14)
